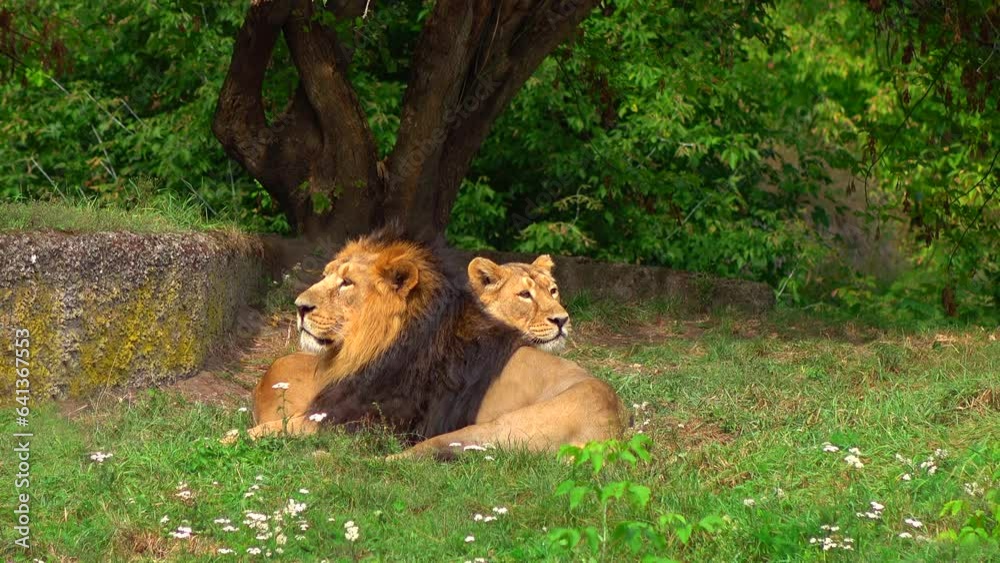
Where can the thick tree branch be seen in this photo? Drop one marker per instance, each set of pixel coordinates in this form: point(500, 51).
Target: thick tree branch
point(450, 106)
point(240, 123)
point(347, 163)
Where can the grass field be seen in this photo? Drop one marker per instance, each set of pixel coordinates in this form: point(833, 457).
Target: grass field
point(738, 410)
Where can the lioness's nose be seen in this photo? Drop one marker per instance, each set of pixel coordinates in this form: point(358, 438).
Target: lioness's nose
point(559, 321)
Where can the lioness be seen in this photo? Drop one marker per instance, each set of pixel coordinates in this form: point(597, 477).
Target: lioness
point(400, 339)
point(524, 296)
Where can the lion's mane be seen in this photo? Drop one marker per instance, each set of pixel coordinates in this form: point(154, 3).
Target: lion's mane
point(432, 378)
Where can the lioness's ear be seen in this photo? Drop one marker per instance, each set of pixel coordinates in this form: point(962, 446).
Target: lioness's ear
point(483, 272)
point(401, 275)
point(544, 262)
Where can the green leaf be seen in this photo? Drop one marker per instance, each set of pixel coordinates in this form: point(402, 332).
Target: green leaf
point(711, 523)
point(576, 495)
point(684, 533)
point(593, 538)
point(639, 495)
point(565, 487)
point(951, 508)
point(613, 490)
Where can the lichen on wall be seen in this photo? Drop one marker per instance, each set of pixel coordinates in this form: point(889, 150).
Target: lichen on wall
point(121, 309)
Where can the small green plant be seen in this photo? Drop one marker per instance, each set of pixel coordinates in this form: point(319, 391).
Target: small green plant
point(981, 525)
point(643, 538)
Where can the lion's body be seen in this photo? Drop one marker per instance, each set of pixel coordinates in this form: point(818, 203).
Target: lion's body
point(432, 363)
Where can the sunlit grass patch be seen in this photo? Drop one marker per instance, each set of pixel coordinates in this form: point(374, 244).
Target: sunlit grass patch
point(786, 446)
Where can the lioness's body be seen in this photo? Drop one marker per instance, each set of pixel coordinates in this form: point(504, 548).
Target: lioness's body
point(401, 339)
point(538, 402)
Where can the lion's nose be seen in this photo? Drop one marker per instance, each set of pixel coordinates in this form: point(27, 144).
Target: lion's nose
point(303, 306)
point(559, 321)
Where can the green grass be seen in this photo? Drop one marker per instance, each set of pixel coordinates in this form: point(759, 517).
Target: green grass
point(164, 214)
point(737, 409)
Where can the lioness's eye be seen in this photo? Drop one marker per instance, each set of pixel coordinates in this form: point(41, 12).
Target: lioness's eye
point(554, 291)
point(524, 294)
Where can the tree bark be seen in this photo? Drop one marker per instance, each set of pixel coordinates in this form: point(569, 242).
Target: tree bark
point(319, 160)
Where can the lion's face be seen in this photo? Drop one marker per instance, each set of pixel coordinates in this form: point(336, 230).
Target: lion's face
point(363, 297)
point(524, 296)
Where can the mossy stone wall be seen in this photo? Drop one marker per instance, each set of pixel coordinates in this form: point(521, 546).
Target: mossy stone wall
point(121, 309)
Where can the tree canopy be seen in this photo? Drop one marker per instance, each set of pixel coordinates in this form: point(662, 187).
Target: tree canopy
point(843, 151)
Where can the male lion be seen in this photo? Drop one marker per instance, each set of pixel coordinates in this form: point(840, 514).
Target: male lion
point(400, 339)
point(524, 296)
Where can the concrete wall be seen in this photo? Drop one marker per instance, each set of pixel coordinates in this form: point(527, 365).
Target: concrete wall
point(120, 309)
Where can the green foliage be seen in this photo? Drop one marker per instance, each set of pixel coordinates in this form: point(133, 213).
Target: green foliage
point(765, 140)
point(736, 139)
point(643, 539)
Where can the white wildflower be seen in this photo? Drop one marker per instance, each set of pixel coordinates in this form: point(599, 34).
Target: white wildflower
point(475, 447)
point(500, 509)
point(749, 502)
point(229, 528)
point(242, 409)
point(854, 461)
point(182, 533)
point(905, 535)
point(224, 551)
point(478, 517)
point(828, 447)
point(304, 491)
point(222, 521)
point(164, 520)
point(317, 417)
point(99, 457)
point(470, 539)
point(906, 477)
point(489, 458)
point(253, 550)
point(294, 508)
point(914, 522)
point(281, 539)
point(877, 506)
point(351, 532)
point(854, 451)
point(973, 489)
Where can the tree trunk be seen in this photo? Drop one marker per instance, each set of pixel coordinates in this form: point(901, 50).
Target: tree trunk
point(319, 160)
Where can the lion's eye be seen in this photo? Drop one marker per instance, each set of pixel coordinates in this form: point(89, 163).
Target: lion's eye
point(554, 292)
point(346, 283)
point(524, 294)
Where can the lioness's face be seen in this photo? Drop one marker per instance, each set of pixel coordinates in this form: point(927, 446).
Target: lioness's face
point(524, 296)
point(355, 283)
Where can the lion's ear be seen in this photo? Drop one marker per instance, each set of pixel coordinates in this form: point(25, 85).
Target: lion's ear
point(544, 262)
point(401, 274)
point(483, 272)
